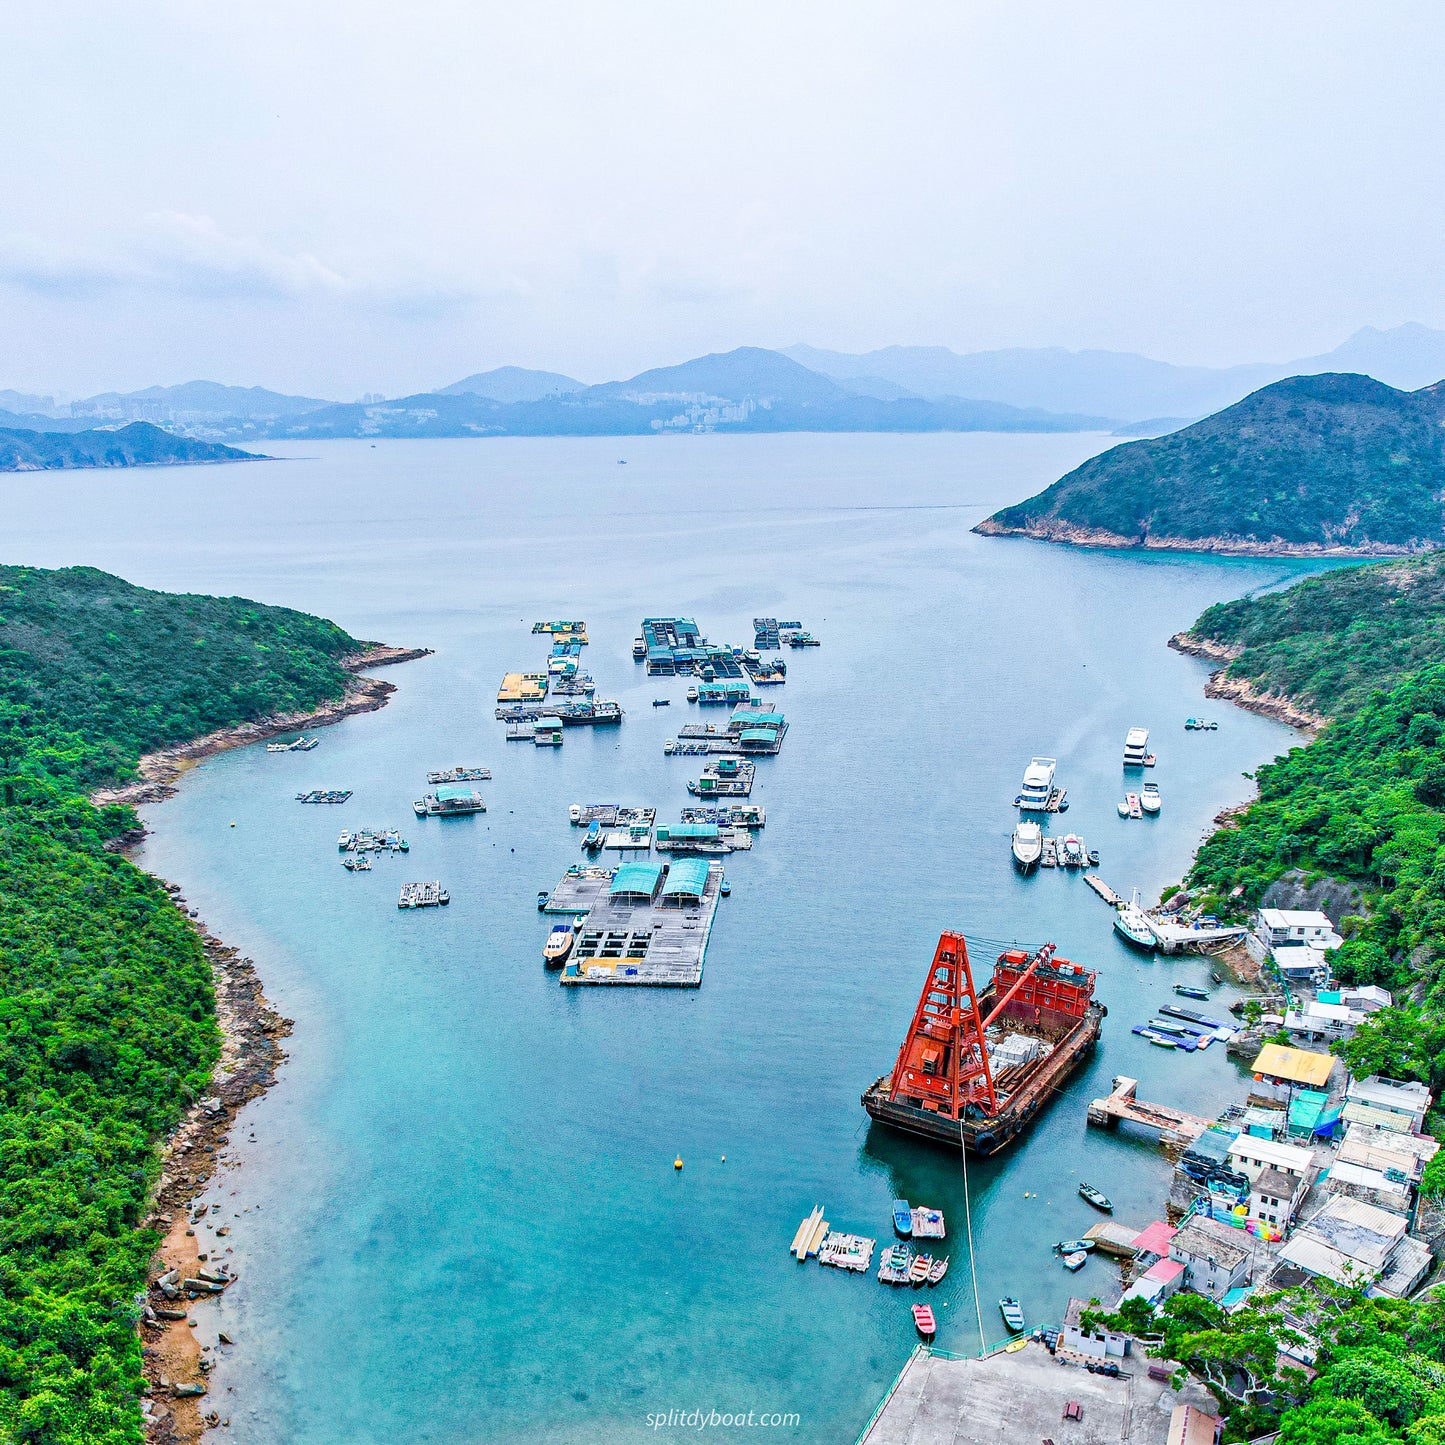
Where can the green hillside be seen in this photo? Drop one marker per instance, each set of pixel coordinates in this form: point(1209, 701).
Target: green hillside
point(1315, 463)
point(138, 445)
point(109, 1026)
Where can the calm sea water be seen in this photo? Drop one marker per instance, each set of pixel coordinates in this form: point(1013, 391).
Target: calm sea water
point(458, 1220)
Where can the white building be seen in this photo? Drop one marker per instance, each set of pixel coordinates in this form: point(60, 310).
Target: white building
point(1304, 965)
point(1251, 1157)
point(1317, 1022)
point(1366, 998)
point(1097, 1343)
point(1396, 1105)
point(1216, 1257)
point(1273, 1196)
point(1296, 928)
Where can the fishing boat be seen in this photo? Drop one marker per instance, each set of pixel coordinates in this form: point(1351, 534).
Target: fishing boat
point(1028, 846)
point(1131, 923)
point(1074, 1246)
point(692, 694)
point(1097, 1198)
point(937, 1270)
point(1076, 1261)
point(662, 702)
point(1012, 1312)
point(923, 1318)
point(1185, 990)
point(1038, 786)
point(943, 1086)
point(902, 1219)
point(918, 1270)
point(1149, 798)
point(558, 945)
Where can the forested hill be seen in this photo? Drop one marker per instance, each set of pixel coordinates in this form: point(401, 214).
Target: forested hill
point(109, 1017)
point(138, 445)
point(1334, 463)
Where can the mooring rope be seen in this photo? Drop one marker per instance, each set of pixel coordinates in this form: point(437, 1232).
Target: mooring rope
point(968, 1230)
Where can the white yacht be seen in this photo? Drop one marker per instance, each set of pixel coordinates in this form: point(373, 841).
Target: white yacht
point(1028, 846)
point(1038, 786)
point(1149, 798)
point(1136, 748)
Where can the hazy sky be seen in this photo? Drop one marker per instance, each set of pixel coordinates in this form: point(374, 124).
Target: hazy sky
point(334, 198)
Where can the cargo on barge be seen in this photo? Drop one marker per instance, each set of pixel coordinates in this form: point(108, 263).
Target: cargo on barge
point(979, 1066)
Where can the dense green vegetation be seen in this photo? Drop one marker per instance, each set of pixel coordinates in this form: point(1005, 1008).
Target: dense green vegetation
point(1332, 641)
point(108, 1018)
point(138, 445)
point(1326, 461)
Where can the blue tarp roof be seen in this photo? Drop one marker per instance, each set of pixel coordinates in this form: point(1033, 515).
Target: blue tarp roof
point(757, 735)
point(687, 877)
point(451, 792)
point(636, 878)
point(688, 830)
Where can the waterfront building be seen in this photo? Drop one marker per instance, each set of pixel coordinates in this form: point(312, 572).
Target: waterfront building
point(1163, 1278)
point(1252, 1156)
point(1396, 1105)
point(1353, 1242)
point(1318, 1022)
point(1215, 1256)
point(1097, 1343)
point(1307, 966)
point(1295, 928)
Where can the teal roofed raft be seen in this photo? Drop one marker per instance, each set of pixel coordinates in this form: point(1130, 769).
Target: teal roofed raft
point(686, 878)
point(636, 878)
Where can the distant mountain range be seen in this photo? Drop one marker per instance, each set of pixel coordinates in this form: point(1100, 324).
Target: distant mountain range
point(899, 388)
point(138, 445)
point(1337, 463)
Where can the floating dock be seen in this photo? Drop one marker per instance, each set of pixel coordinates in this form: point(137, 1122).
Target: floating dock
point(423, 895)
point(324, 795)
point(767, 671)
point(575, 631)
point(701, 838)
point(726, 778)
point(523, 687)
point(581, 713)
point(846, 1251)
point(737, 815)
point(450, 800)
point(1173, 1126)
point(648, 927)
point(460, 774)
point(1103, 890)
point(578, 889)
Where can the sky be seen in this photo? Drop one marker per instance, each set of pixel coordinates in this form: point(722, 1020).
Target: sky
point(333, 199)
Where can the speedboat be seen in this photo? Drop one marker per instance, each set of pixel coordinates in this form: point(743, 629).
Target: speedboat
point(902, 1219)
point(691, 694)
point(1076, 1261)
point(542, 898)
point(670, 746)
point(1131, 923)
point(1075, 1246)
point(639, 648)
point(1149, 798)
point(1072, 847)
point(1123, 807)
point(558, 945)
point(1028, 846)
point(1097, 1198)
point(574, 814)
point(1185, 990)
point(725, 888)
point(1136, 809)
point(1038, 786)
point(344, 841)
point(1012, 1312)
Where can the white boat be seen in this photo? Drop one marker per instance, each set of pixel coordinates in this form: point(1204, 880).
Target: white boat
point(1132, 924)
point(574, 814)
point(692, 694)
point(1028, 846)
point(1136, 747)
point(1038, 786)
point(1149, 798)
point(344, 841)
point(670, 746)
point(639, 647)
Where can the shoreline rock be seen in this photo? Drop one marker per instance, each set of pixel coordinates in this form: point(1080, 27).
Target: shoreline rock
point(1071, 535)
point(1243, 693)
point(176, 1409)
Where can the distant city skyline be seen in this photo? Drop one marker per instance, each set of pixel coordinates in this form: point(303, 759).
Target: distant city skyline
point(326, 203)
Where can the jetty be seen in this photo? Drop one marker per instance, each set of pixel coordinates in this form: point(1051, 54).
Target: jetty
point(648, 926)
point(324, 795)
point(423, 895)
point(303, 744)
point(1103, 890)
point(1173, 1126)
point(1180, 938)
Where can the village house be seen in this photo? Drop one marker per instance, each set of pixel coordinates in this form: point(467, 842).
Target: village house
point(1097, 1343)
point(1281, 1072)
point(1273, 1196)
point(1252, 1156)
point(1377, 1100)
point(1216, 1257)
point(1295, 928)
point(1355, 1243)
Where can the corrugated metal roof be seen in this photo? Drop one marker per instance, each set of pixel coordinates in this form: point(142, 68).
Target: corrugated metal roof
point(1299, 1066)
point(1316, 1257)
point(686, 878)
point(688, 830)
point(636, 878)
point(453, 792)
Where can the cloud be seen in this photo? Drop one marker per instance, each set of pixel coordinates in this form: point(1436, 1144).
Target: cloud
point(176, 254)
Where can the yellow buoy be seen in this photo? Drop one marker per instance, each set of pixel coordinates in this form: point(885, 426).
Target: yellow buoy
point(677, 1163)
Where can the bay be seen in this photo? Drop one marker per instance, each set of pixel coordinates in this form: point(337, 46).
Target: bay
point(459, 1220)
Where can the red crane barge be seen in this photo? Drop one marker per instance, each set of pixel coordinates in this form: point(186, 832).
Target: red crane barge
point(978, 1067)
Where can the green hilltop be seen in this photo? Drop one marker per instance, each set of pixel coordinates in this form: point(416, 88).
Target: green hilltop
point(138, 445)
point(1315, 464)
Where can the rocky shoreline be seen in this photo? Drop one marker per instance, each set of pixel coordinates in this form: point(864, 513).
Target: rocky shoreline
point(1073, 535)
point(1240, 691)
point(160, 769)
point(176, 1407)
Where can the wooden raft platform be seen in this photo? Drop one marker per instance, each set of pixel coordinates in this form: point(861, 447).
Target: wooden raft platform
point(624, 941)
point(1103, 890)
point(577, 890)
point(1173, 1126)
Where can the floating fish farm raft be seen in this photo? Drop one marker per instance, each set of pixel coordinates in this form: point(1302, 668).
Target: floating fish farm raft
point(977, 1067)
point(324, 795)
point(522, 687)
point(423, 895)
point(726, 778)
point(643, 924)
point(460, 774)
point(450, 800)
point(601, 712)
point(576, 631)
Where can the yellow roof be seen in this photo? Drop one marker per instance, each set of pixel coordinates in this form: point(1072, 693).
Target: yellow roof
point(1299, 1066)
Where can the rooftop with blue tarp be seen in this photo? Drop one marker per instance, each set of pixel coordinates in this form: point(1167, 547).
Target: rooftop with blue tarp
point(686, 878)
point(757, 735)
point(454, 793)
point(688, 830)
point(636, 878)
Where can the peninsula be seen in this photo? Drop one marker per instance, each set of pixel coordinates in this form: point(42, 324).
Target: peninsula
point(1332, 465)
point(138, 445)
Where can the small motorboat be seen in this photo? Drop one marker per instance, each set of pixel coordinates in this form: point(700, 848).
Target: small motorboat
point(1012, 1312)
point(344, 841)
point(443, 897)
point(419, 808)
point(670, 746)
point(894, 1264)
point(902, 1219)
point(639, 648)
point(662, 702)
point(1185, 990)
point(1154, 1036)
point(1150, 799)
point(725, 887)
point(937, 1270)
point(923, 1318)
point(1028, 846)
point(542, 898)
point(1097, 1198)
point(1217, 977)
point(1135, 808)
point(918, 1270)
point(558, 945)
point(1076, 1261)
point(1074, 1246)
point(1093, 857)
point(1122, 807)
point(1072, 848)
point(574, 815)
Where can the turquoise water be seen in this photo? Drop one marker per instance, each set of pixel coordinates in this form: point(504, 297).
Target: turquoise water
point(458, 1220)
